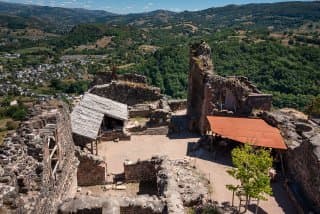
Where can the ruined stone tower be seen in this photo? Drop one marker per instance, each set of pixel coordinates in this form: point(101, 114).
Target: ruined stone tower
point(211, 94)
point(200, 66)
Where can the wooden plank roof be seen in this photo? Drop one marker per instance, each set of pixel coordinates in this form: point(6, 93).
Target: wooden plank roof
point(86, 122)
point(87, 116)
point(105, 106)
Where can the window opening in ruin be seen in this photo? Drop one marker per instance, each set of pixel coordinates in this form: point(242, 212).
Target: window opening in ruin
point(53, 155)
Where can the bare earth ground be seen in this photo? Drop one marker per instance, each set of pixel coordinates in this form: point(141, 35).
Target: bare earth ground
point(143, 147)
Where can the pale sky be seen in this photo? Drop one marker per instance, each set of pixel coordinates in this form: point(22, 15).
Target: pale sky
point(136, 6)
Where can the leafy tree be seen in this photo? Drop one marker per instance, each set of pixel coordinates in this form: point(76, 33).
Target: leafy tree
point(252, 170)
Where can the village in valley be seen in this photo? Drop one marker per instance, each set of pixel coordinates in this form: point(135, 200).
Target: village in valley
point(124, 147)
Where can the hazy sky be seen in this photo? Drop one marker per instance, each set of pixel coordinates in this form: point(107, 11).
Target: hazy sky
point(135, 6)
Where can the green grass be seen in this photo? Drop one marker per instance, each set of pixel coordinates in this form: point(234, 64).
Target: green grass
point(34, 50)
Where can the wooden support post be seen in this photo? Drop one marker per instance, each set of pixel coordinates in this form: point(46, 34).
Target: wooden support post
point(53, 151)
point(92, 148)
point(55, 170)
point(96, 147)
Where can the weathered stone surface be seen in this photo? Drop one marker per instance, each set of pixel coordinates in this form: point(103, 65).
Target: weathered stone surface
point(33, 181)
point(177, 105)
point(127, 92)
point(178, 180)
point(302, 159)
point(145, 170)
point(114, 205)
point(108, 77)
point(92, 169)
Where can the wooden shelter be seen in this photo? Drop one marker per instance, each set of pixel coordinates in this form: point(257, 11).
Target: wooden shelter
point(255, 132)
point(251, 131)
point(94, 117)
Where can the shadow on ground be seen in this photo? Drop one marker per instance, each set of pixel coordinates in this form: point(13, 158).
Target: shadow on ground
point(217, 155)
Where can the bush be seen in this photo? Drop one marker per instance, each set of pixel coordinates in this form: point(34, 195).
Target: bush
point(17, 112)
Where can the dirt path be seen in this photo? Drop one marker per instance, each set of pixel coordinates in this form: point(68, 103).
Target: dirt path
point(143, 147)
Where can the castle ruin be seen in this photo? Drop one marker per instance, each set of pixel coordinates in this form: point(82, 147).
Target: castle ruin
point(211, 94)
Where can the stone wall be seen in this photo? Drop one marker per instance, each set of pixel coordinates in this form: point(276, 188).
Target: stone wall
point(178, 105)
point(211, 94)
point(107, 77)
point(127, 92)
point(160, 130)
point(113, 205)
point(302, 159)
point(141, 170)
point(31, 180)
point(92, 169)
point(181, 184)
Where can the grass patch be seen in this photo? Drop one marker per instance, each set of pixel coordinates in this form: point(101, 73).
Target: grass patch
point(34, 50)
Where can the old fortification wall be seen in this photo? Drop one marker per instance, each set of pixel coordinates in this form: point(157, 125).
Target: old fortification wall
point(211, 94)
point(38, 166)
point(302, 159)
point(145, 170)
point(127, 92)
point(107, 77)
point(92, 169)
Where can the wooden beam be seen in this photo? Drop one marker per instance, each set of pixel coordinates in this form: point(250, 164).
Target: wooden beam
point(55, 168)
point(53, 151)
point(96, 147)
point(92, 147)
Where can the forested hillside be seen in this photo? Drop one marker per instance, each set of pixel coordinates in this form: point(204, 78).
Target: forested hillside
point(276, 45)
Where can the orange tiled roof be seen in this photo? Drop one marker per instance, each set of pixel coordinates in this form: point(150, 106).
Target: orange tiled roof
point(246, 130)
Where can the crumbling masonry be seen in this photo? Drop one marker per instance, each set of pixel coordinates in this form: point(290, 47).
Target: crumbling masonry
point(37, 163)
point(211, 94)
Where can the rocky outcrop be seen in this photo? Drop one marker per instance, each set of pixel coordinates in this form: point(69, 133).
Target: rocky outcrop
point(302, 159)
point(38, 165)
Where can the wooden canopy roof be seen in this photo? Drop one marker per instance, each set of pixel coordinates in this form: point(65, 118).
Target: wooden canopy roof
point(246, 130)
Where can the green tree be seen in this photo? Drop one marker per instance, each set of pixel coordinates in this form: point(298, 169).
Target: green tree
point(251, 168)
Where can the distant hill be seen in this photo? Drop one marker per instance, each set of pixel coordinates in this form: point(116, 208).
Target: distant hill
point(47, 18)
point(275, 15)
